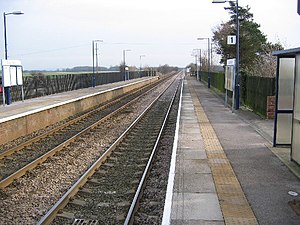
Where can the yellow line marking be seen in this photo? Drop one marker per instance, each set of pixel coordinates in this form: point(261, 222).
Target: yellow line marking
point(234, 205)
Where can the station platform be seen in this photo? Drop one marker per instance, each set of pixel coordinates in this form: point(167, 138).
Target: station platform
point(22, 118)
point(224, 171)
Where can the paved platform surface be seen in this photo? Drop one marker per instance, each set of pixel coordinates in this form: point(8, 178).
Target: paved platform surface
point(224, 161)
point(28, 105)
point(225, 171)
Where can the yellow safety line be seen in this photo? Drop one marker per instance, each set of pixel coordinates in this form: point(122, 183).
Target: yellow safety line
point(234, 205)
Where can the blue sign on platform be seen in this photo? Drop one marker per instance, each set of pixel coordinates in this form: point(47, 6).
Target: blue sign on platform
point(299, 7)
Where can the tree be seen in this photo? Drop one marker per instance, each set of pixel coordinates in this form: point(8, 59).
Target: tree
point(251, 38)
point(166, 69)
point(266, 63)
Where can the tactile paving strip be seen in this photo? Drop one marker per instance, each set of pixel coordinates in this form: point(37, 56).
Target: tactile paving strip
point(234, 205)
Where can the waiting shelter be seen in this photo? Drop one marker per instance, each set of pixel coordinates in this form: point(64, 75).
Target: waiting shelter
point(287, 109)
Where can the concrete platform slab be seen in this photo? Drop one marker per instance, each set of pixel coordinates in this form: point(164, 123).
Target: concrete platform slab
point(196, 222)
point(196, 206)
point(197, 183)
point(190, 130)
point(195, 144)
point(190, 136)
point(194, 166)
point(194, 194)
point(188, 153)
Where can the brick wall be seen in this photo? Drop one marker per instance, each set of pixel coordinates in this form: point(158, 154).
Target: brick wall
point(270, 107)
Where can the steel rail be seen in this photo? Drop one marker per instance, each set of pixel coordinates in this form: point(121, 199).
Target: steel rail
point(65, 125)
point(63, 201)
point(138, 193)
point(8, 180)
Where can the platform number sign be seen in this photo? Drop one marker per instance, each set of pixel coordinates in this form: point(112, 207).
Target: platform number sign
point(231, 40)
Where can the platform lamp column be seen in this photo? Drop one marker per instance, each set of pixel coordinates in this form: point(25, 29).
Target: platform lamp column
point(196, 63)
point(238, 76)
point(208, 59)
point(200, 67)
point(124, 62)
point(141, 63)
point(93, 56)
point(7, 89)
point(198, 56)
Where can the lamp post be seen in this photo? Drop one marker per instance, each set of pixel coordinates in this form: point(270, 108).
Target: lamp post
point(208, 58)
point(200, 63)
point(237, 82)
point(94, 42)
point(141, 63)
point(124, 61)
point(197, 70)
point(7, 89)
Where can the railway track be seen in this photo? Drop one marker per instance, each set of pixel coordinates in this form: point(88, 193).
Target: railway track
point(107, 191)
point(29, 198)
point(16, 161)
point(150, 199)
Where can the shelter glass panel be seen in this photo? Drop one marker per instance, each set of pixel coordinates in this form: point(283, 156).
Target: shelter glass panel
point(286, 83)
point(284, 129)
point(297, 90)
point(296, 119)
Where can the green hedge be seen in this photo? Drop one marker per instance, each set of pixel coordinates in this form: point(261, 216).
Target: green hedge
point(254, 90)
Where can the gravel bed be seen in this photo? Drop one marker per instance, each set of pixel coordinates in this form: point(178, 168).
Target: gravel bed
point(18, 141)
point(20, 159)
point(151, 203)
point(26, 200)
point(108, 199)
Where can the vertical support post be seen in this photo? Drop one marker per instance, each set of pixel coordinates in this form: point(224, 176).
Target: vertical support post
point(276, 103)
point(124, 65)
point(140, 71)
point(6, 89)
point(3, 95)
point(208, 49)
point(93, 53)
point(200, 67)
point(237, 85)
point(22, 90)
point(5, 38)
point(196, 59)
point(234, 91)
point(96, 50)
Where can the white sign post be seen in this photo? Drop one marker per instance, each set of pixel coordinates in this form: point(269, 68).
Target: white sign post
point(12, 75)
point(230, 80)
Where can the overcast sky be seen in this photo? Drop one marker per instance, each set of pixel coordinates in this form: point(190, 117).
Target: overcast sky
point(58, 33)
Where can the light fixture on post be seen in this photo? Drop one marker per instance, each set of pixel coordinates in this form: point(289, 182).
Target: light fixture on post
point(93, 56)
point(208, 59)
point(141, 63)
point(7, 89)
point(124, 63)
point(237, 83)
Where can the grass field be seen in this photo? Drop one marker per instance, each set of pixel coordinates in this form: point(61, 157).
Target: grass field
point(53, 73)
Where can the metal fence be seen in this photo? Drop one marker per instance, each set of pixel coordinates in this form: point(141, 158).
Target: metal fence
point(254, 89)
point(41, 85)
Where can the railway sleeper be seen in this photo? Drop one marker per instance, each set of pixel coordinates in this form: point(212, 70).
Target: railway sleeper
point(78, 202)
point(67, 215)
point(118, 153)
